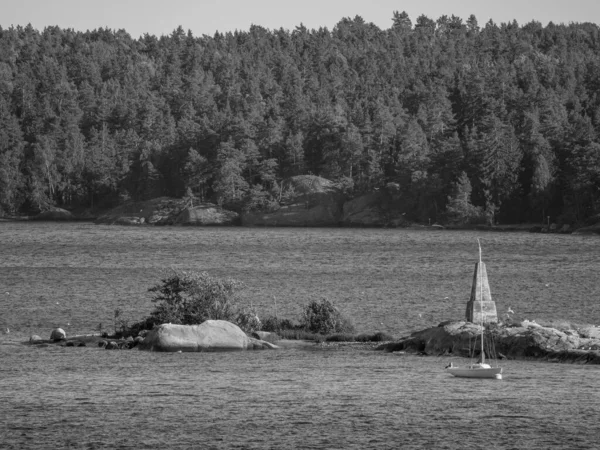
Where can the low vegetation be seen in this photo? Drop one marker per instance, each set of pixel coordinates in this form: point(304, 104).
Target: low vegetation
point(193, 297)
point(190, 297)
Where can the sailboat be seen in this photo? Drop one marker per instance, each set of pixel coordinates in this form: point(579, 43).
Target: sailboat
point(479, 369)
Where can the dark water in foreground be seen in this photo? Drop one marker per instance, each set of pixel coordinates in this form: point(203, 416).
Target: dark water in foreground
point(334, 398)
point(339, 399)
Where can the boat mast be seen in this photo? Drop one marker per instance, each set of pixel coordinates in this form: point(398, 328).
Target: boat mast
point(481, 297)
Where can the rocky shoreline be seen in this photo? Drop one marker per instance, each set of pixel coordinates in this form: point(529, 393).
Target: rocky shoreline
point(310, 201)
point(524, 341)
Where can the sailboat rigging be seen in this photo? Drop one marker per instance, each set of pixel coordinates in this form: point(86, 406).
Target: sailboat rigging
point(480, 369)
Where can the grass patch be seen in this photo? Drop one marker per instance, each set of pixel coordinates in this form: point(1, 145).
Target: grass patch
point(363, 337)
point(301, 335)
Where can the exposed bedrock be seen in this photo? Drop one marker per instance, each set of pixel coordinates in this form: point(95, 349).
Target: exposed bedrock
point(212, 335)
point(528, 340)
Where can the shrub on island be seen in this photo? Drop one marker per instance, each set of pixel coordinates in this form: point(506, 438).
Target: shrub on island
point(191, 298)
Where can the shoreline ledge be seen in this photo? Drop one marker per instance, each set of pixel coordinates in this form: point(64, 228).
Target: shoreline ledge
point(526, 340)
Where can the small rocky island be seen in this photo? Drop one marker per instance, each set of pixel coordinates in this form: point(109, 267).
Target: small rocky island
point(512, 339)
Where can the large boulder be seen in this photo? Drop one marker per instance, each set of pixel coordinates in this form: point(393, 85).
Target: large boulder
point(212, 335)
point(53, 213)
point(167, 211)
point(382, 208)
point(206, 214)
point(365, 210)
point(156, 211)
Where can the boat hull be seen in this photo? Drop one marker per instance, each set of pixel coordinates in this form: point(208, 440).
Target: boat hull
point(467, 372)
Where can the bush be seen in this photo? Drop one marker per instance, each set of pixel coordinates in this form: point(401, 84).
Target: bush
point(194, 297)
point(380, 336)
point(248, 321)
point(363, 337)
point(300, 335)
point(190, 298)
point(341, 337)
point(276, 325)
point(325, 318)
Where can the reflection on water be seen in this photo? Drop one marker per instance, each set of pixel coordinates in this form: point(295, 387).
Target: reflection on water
point(75, 275)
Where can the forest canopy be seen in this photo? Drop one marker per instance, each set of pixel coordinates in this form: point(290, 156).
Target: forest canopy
point(498, 120)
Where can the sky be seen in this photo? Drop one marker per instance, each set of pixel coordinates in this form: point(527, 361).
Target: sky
point(205, 17)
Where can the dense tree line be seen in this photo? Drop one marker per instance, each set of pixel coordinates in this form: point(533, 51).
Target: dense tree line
point(495, 120)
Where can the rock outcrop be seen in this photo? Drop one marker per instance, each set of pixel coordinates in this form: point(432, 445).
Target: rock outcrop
point(528, 341)
point(382, 208)
point(307, 201)
point(212, 335)
point(55, 214)
point(168, 211)
point(592, 229)
point(206, 214)
point(372, 210)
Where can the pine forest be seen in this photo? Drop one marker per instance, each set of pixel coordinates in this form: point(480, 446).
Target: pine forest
point(492, 122)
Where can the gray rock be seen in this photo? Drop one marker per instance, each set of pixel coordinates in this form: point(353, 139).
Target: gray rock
point(34, 339)
point(58, 334)
point(55, 214)
point(590, 332)
point(206, 214)
point(212, 335)
point(306, 201)
point(365, 210)
point(266, 336)
point(522, 342)
point(566, 228)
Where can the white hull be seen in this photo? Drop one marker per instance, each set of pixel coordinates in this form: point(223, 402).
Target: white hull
point(476, 372)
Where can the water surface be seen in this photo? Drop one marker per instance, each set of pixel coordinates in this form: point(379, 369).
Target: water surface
point(75, 275)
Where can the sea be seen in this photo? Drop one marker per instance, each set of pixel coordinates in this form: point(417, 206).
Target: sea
point(84, 277)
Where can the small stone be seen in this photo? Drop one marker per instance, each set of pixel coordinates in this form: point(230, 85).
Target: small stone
point(58, 334)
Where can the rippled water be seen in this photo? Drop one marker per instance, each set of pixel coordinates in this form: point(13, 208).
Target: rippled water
point(74, 275)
